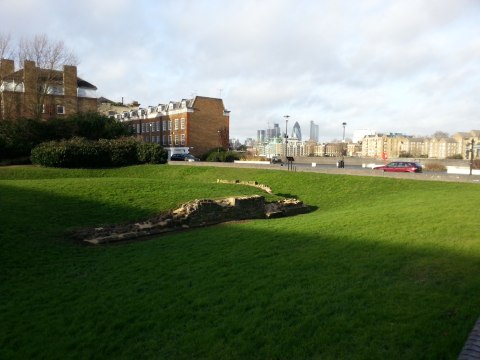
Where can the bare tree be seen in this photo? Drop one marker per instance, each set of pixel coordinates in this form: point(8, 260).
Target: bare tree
point(49, 57)
point(47, 54)
point(5, 53)
point(440, 135)
point(5, 46)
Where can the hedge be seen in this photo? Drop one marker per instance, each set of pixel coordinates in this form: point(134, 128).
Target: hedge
point(18, 137)
point(83, 153)
point(220, 155)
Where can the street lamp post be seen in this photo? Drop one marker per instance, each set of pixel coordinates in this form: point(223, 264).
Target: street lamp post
point(471, 156)
point(286, 134)
point(342, 163)
point(150, 132)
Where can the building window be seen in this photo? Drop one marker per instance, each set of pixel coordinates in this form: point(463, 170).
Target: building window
point(143, 127)
point(169, 124)
point(182, 139)
point(60, 109)
point(164, 140)
point(182, 124)
point(164, 124)
point(176, 124)
point(170, 139)
point(176, 139)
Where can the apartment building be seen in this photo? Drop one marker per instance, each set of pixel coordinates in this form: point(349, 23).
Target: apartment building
point(32, 92)
point(464, 141)
point(398, 145)
point(443, 148)
point(193, 126)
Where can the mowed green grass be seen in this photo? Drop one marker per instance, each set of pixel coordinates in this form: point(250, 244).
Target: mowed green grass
point(382, 269)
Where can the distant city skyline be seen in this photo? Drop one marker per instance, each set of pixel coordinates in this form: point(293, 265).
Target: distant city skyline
point(357, 134)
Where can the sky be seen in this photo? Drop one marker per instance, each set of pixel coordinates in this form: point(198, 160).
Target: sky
point(403, 66)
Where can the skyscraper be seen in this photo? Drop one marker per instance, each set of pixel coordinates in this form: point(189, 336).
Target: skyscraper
point(296, 132)
point(313, 131)
point(273, 133)
point(261, 136)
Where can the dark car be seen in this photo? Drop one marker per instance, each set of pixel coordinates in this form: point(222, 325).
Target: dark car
point(190, 157)
point(276, 160)
point(401, 166)
point(177, 157)
point(183, 157)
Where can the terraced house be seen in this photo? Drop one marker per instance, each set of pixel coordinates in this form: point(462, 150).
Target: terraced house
point(194, 126)
point(33, 92)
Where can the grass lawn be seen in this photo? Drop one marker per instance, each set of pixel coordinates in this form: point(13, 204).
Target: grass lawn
point(383, 269)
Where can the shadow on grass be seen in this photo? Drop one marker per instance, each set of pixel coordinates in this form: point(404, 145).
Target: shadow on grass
point(259, 289)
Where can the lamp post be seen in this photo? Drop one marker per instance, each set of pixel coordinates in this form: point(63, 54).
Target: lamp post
point(471, 156)
point(342, 164)
point(150, 132)
point(286, 134)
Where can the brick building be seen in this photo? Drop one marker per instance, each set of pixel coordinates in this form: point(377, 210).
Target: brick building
point(193, 126)
point(33, 92)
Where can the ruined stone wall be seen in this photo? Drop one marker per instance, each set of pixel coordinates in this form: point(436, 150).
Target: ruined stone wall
point(263, 187)
point(197, 213)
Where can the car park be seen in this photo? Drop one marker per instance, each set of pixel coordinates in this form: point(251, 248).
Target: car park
point(401, 166)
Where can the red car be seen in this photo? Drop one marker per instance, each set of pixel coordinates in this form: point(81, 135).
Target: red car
point(401, 166)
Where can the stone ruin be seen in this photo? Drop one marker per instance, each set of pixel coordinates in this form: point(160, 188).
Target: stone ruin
point(263, 187)
point(197, 213)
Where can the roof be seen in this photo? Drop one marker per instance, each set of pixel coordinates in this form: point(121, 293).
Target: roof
point(52, 75)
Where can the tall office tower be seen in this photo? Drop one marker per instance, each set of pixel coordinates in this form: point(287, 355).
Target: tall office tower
point(296, 132)
point(274, 132)
point(261, 134)
point(313, 131)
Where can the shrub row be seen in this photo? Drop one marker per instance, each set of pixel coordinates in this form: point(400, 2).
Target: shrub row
point(83, 153)
point(434, 166)
point(220, 155)
point(18, 137)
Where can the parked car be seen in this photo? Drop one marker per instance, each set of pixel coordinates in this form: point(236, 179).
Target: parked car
point(276, 160)
point(177, 157)
point(183, 157)
point(190, 157)
point(401, 166)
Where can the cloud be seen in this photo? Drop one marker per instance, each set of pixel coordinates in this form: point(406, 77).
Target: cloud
point(410, 66)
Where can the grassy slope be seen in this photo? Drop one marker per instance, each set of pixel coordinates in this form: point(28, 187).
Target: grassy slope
point(384, 268)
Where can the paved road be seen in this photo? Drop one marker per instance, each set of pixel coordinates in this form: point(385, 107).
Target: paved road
point(356, 170)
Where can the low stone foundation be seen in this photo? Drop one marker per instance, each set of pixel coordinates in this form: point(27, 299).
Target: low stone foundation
point(197, 213)
point(265, 188)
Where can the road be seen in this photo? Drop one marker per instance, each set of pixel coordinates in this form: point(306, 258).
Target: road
point(355, 170)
